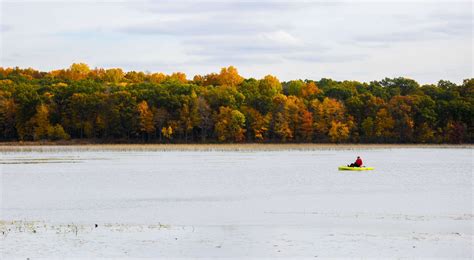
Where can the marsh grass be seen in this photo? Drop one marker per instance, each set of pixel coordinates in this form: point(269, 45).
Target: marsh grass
point(41, 227)
point(17, 147)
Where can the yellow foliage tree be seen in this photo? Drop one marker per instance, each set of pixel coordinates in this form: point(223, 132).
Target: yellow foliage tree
point(338, 132)
point(114, 75)
point(145, 118)
point(167, 132)
point(281, 118)
point(78, 71)
point(41, 122)
point(270, 86)
point(157, 78)
point(257, 123)
point(230, 77)
point(178, 76)
point(327, 112)
point(230, 125)
point(384, 124)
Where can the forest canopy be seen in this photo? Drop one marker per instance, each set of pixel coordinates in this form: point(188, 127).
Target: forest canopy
point(111, 105)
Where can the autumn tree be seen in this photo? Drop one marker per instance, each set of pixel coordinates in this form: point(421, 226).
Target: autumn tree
point(305, 90)
point(78, 71)
point(188, 117)
point(338, 132)
point(328, 114)
point(114, 75)
point(310, 91)
point(110, 105)
point(145, 118)
point(167, 132)
point(280, 121)
point(383, 125)
point(230, 125)
point(402, 111)
point(135, 77)
point(8, 110)
point(41, 122)
point(268, 88)
point(257, 125)
point(157, 78)
point(57, 132)
point(211, 79)
point(179, 77)
point(230, 77)
point(43, 128)
point(306, 127)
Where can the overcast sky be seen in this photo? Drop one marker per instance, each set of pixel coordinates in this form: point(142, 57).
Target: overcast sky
point(356, 40)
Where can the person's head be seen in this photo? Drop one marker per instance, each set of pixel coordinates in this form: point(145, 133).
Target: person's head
point(358, 157)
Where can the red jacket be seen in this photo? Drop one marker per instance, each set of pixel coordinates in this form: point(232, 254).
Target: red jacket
point(359, 162)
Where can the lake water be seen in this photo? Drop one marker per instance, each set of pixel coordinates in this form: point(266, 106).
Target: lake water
point(69, 202)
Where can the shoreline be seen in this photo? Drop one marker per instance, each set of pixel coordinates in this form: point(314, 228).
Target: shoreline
point(50, 146)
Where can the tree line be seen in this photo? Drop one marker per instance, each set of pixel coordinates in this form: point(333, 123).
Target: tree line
point(110, 105)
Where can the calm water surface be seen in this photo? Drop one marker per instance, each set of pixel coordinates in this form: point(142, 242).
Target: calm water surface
point(266, 189)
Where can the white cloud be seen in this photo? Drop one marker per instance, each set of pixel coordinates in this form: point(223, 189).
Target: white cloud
point(281, 38)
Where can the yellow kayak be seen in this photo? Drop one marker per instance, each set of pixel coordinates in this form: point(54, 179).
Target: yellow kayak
point(347, 168)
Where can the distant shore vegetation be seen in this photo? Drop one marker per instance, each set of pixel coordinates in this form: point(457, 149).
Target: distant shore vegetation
point(110, 105)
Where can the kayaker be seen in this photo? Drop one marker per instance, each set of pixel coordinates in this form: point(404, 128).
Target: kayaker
point(357, 163)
